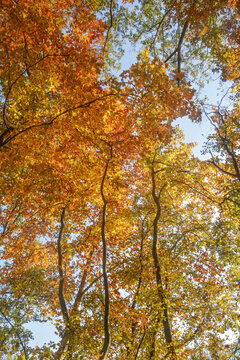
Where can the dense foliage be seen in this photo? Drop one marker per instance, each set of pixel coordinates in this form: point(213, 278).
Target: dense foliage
point(110, 228)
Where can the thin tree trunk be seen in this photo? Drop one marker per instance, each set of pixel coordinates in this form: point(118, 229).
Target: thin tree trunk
point(60, 270)
point(65, 348)
point(62, 351)
point(134, 322)
point(163, 301)
point(107, 336)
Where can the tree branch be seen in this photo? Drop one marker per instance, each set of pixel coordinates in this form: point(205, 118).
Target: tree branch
point(140, 343)
point(81, 290)
point(84, 105)
point(178, 48)
point(219, 168)
point(158, 28)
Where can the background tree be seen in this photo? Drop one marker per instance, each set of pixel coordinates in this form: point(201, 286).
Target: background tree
point(109, 225)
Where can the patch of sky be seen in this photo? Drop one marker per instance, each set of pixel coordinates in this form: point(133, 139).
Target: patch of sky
point(43, 333)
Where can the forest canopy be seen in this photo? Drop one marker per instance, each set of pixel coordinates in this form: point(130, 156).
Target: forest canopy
point(110, 228)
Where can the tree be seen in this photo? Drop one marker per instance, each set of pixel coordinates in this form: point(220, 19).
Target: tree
point(108, 221)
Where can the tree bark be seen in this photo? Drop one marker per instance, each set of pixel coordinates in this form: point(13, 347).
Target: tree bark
point(107, 336)
point(157, 265)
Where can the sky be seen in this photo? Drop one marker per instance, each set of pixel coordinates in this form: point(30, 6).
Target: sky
point(42, 333)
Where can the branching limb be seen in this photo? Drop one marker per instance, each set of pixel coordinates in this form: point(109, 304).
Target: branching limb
point(50, 122)
point(153, 342)
point(81, 289)
point(178, 48)
point(65, 345)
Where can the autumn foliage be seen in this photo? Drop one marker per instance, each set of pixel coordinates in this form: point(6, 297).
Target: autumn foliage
point(111, 229)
